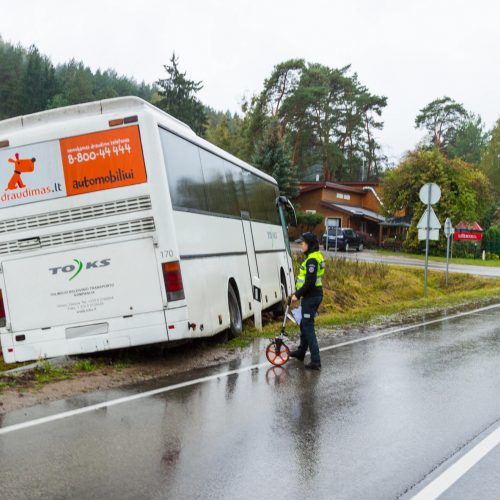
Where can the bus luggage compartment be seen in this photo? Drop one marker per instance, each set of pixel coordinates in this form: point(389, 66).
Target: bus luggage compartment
point(82, 285)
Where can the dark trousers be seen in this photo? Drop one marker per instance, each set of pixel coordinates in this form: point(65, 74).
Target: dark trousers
point(307, 334)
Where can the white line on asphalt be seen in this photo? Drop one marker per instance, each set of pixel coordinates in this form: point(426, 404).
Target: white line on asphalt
point(169, 388)
point(459, 468)
point(411, 327)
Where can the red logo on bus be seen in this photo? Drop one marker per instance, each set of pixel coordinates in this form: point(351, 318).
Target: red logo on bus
point(21, 166)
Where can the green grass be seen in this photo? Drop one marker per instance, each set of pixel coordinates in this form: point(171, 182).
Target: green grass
point(5, 385)
point(469, 262)
point(357, 292)
point(121, 365)
point(84, 365)
point(47, 372)
point(238, 342)
point(4, 366)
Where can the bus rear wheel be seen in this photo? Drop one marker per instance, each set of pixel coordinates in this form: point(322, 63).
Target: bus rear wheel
point(235, 318)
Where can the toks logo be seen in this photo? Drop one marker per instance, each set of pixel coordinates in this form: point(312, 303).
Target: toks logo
point(78, 266)
point(21, 165)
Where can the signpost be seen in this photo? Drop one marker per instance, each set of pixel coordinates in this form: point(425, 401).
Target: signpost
point(430, 194)
point(448, 231)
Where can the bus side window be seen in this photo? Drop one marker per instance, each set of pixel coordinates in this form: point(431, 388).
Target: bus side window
point(214, 175)
point(261, 195)
point(241, 195)
point(185, 177)
point(251, 191)
point(202, 181)
point(233, 188)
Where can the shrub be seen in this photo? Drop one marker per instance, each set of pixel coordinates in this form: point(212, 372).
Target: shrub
point(392, 244)
point(491, 240)
point(307, 221)
point(368, 239)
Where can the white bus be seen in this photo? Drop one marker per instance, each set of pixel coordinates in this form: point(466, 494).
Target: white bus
point(120, 227)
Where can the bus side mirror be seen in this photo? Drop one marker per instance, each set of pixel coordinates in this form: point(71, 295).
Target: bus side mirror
point(286, 204)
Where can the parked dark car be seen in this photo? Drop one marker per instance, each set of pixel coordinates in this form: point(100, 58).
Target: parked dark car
point(347, 239)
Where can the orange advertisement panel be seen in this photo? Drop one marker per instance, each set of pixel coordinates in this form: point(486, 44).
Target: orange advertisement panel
point(103, 160)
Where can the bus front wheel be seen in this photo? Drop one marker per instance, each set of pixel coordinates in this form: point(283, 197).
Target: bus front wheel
point(235, 319)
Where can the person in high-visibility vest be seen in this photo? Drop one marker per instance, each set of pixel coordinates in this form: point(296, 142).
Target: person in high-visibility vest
point(309, 288)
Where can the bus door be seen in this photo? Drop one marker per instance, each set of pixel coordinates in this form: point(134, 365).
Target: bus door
point(253, 269)
point(287, 216)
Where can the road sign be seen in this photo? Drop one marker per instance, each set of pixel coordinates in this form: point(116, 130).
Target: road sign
point(429, 220)
point(433, 234)
point(448, 228)
point(430, 193)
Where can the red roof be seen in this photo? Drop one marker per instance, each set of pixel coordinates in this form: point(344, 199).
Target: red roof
point(469, 226)
point(360, 183)
point(354, 210)
point(312, 186)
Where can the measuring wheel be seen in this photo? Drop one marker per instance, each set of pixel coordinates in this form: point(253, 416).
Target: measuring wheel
point(277, 352)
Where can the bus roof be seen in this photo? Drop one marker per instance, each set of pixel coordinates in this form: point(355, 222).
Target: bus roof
point(118, 104)
point(77, 110)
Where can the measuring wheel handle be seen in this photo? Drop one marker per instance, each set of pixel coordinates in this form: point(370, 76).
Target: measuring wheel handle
point(277, 352)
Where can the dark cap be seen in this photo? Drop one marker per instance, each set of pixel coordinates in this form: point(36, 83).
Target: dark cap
point(310, 239)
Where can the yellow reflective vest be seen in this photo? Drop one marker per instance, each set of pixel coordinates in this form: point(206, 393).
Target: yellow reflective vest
point(301, 278)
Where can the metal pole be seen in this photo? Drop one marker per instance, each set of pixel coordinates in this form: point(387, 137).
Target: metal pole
point(447, 256)
point(427, 239)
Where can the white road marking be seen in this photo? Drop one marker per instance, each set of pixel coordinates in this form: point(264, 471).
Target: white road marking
point(169, 388)
point(459, 468)
point(411, 327)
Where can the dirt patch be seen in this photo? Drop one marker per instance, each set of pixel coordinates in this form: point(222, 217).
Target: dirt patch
point(115, 370)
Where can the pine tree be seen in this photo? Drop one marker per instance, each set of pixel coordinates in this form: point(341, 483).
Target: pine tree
point(179, 97)
point(38, 82)
point(490, 160)
point(273, 157)
point(11, 71)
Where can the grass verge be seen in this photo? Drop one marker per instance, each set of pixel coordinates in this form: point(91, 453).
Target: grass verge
point(357, 292)
point(46, 372)
point(467, 262)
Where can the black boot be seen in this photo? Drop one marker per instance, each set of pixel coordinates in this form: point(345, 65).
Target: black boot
point(313, 366)
point(298, 354)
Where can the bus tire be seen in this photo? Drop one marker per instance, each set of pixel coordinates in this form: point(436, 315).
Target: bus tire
point(235, 317)
point(280, 307)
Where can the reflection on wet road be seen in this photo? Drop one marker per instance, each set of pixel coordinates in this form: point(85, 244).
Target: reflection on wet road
point(377, 421)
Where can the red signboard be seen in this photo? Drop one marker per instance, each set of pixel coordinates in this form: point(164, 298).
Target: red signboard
point(467, 236)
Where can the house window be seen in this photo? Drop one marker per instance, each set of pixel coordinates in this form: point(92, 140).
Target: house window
point(332, 222)
point(343, 196)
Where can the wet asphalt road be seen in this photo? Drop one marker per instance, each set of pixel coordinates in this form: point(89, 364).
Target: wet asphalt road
point(371, 256)
point(384, 416)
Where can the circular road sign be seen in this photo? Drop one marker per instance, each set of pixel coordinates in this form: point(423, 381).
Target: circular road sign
point(430, 193)
point(447, 227)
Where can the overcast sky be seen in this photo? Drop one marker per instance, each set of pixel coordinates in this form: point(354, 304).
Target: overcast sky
point(412, 51)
